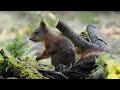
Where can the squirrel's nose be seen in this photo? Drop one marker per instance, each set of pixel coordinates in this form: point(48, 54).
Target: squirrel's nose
point(30, 39)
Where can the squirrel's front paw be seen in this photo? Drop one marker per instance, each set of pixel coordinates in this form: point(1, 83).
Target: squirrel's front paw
point(38, 58)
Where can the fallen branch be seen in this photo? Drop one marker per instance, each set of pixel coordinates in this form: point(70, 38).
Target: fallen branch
point(79, 71)
point(9, 67)
point(76, 39)
point(96, 38)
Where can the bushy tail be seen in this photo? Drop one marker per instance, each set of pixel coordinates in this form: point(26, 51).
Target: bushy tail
point(89, 54)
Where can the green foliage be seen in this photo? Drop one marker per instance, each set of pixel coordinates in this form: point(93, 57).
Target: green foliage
point(110, 68)
point(31, 62)
point(12, 67)
point(19, 64)
point(17, 47)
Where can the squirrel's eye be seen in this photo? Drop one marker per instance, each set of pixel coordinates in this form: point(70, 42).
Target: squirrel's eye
point(36, 32)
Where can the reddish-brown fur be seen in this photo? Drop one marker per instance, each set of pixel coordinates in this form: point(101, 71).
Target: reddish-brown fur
point(59, 48)
point(88, 53)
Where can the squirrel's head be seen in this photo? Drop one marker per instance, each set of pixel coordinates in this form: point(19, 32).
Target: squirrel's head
point(39, 33)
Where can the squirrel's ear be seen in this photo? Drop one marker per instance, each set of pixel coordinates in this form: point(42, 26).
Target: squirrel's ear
point(42, 23)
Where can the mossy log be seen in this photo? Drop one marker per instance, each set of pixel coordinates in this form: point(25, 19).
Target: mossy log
point(9, 67)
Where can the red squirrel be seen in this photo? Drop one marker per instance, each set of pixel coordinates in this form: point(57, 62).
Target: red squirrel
point(58, 47)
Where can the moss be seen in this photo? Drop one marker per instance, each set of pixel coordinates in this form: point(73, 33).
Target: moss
point(112, 70)
point(11, 67)
point(108, 67)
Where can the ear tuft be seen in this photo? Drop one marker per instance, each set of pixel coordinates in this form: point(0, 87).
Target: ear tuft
point(42, 23)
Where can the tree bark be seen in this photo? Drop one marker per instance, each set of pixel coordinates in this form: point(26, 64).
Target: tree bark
point(95, 37)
